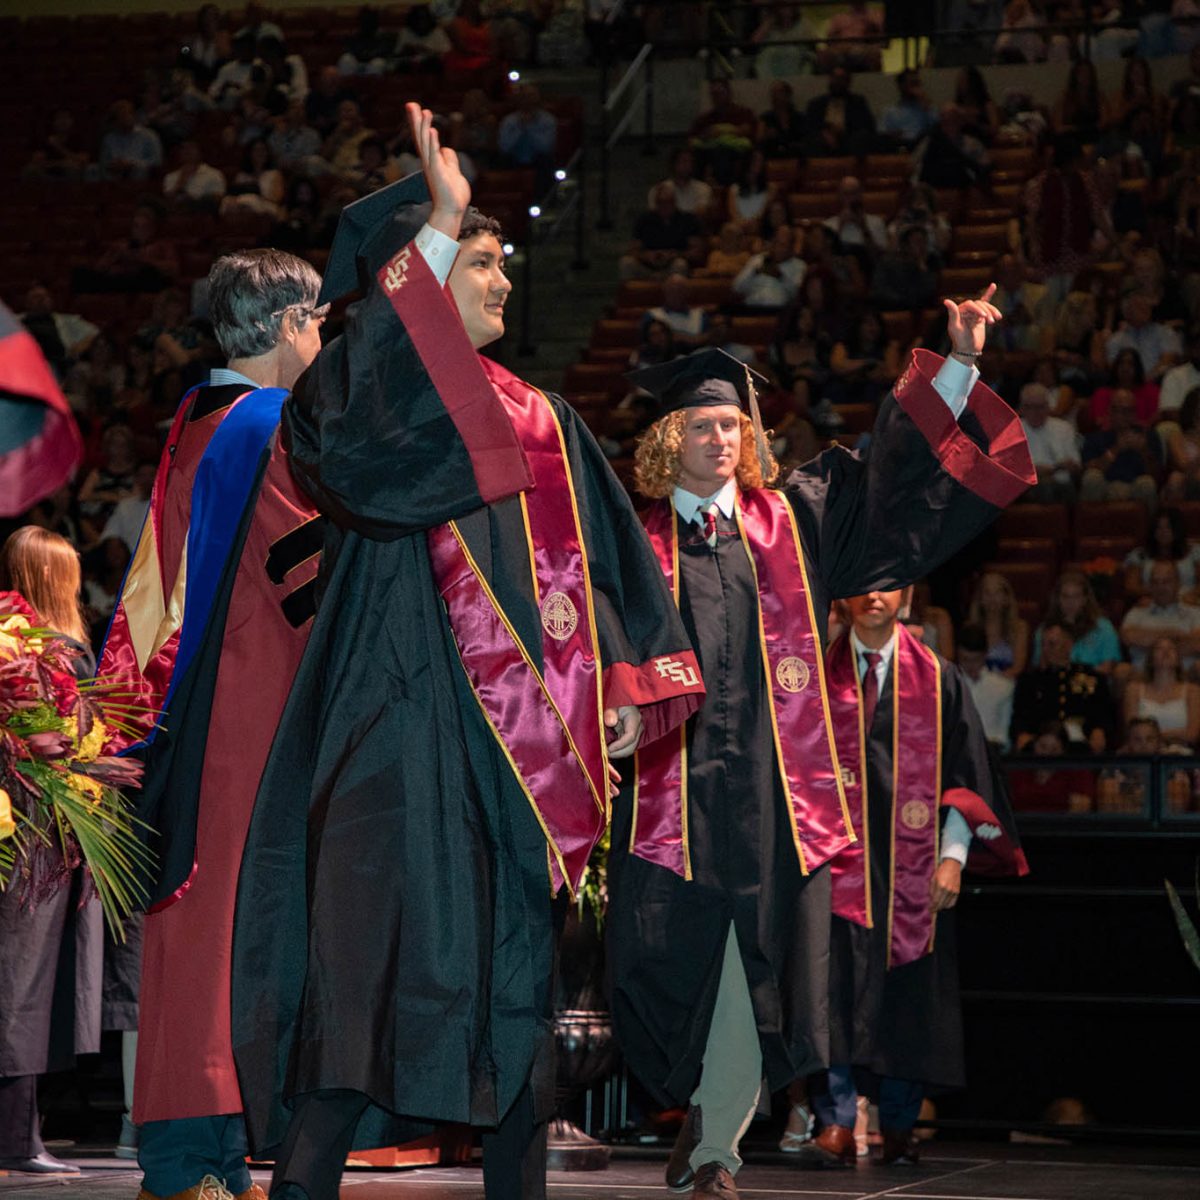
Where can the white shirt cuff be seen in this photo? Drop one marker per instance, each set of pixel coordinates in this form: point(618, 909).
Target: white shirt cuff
point(954, 382)
point(438, 251)
point(956, 837)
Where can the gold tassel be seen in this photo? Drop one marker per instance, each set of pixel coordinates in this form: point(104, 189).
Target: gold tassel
point(761, 445)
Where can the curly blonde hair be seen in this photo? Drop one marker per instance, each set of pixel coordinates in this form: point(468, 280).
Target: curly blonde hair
point(656, 459)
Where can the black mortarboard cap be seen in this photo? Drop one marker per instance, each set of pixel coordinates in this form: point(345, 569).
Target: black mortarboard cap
point(703, 377)
point(374, 227)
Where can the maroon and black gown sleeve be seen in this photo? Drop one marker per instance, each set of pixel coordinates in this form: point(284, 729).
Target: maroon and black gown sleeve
point(926, 485)
point(647, 656)
point(395, 427)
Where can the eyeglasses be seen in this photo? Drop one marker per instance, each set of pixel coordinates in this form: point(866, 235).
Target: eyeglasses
point(319, 313)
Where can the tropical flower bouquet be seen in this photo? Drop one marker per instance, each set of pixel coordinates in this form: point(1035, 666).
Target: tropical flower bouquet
point(60, 800)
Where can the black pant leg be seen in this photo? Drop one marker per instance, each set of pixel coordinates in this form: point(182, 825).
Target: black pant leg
point(514, 1155)
point(319, 1136)
point(20, 1136)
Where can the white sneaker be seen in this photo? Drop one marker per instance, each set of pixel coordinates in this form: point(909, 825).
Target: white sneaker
point(127, 1143)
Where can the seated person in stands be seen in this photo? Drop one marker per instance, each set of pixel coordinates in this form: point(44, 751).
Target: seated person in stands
point(1122, 460)
point(664, 237)
point(993, 607)
point(730, 254)
point(1180, 380)
point(906, 122)
point(794, 436)
point(57, 155)
point(62, 337)
point(1125, 372)
point(657, 345)
point(322, 106)
point(1162, 693)
point(1022, 302)
point(853, 226)
point(951, 157)
point(771, 280)
point(720, 336)
point(237, 77)
point(422, 43)
point(1061, 690)
point(801, 350)
point(839, 122)
point(1075, 342)
point(857, 21)
point(1166, 541)
point(128, 150)
point(749, 194)
point(369, 49)
point(1157, 345)
point(692, 195)
point(688, 322)
point(781, 27)
point(1162, 613)
point(1053, 446)
point(866, 363)
point(375, 167)
point(295, 144)
point(141, 262)
point(1074, 606)
point(1183, 452)
point(1062, 790)
point(782, 129)
point(981, 115)
point(340, 149)
point(258, 186)
point(1143, 737)
point(724, 119)
point(908, 276)
point(194, 184)
point(991, 691)
point(919, 206)
point(528, 136)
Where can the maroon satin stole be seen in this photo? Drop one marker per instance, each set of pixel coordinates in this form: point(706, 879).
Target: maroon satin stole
point(794, 674)
point(916, 792)
point(548, 723)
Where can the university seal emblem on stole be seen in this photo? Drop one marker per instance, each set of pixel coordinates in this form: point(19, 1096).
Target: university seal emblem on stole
point(915, 814)
point(792, 673)
point(559, 617)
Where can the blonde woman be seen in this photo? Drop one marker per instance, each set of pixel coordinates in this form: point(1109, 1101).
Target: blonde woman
point(1166, 696)
point(994, 608)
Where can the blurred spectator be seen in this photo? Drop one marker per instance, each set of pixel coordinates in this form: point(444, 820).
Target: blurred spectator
point(908, 276)
point(194, 183)
point(907, 121)
point(663, 236)
point(1073, 605)
point(1183, 482)
point(1022, 303)
point(258, 186)
point(841, 121)
point(993, 607)
point(1157, 345)
point(422, 43)
point(688, 322)
point(286, 76)
point(129, 515)
point(128, 150)
point(250, 122)
point(782, 24)
point(175, 342)
point(1069, 789)
point(730, 253)
point(950, 157)
point(1165, 696)
point(1166, 541)
point(1122, 460)
point(1023, 122)
point(142, 262)
point(853, 225)
point(472, 58)
point(528, 137)
point(255, 24)
point(657, 345)
point(722, 135)
point(303, 225)
point(1138, 92)
point(859, 22)
point(1075, 343)
point(296, 145)
point(1142, 737)
point(1053, 446)
point(1183, 133)
point(474, 128)
point(1064, 402)
point(750, 193)
point(867, 363)
point(801, 351)
point(93, 383)
point(58, 155)
point(1126, 374)
point(62, 337)
point(919, 206)
point(795, 438)
point(341, 146)
point(1180, 380)
point(1161, 614)
point(720, 336)
point(110, 482)
point(770, 280)
point(991, 691)
point(369, 48)
point(208, 47)
point(782, 130)
point(981, 116)
point(1061, 690)
point(324, 102)
point(171, 107)
point(1018, 41)
point(236, 77)
point(1081, 109)
point(375, 167)
point(1063, 212)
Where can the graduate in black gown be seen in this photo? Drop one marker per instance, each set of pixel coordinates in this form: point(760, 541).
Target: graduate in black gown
point(718, 932)
point(489, 612)
point(915, 756)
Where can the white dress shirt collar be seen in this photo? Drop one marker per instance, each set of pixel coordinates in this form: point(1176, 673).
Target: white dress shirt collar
point(688, 504)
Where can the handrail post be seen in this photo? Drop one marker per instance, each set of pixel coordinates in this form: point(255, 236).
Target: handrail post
point(525, 348)
point(605, 221)
point(648, 145)
point(581, 263)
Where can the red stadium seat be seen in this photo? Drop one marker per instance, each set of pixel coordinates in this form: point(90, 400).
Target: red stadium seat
point(1114, 518)
point(1035, 520)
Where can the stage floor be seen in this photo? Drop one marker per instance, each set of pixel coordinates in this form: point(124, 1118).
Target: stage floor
point(960, 1171)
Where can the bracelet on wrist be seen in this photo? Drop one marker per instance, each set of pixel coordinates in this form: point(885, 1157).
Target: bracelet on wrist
point(971, 354)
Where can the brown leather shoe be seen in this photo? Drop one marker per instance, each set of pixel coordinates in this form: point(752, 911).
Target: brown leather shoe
point(834, 1146)
point(714, 1180)
point(680, 1175)
point(900, 1148)
point(209, 1188)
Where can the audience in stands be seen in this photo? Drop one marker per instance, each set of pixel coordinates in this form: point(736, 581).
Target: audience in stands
point(910, 119)
point(1074, 606)
point(1156, 345)
point(1183, 452)
point(1163, 695)
point(991, 691)
point(1126, 374)
point(145, 261)
point(770, 280)
point(1022, 303)
point(369, 49)
point(1122, 460)
point(782, 129)
point(1054, 447)
point(853, 225)
point(62, 337)
point(856, 35)
point(864, 366)
point(663, 237)
point(194, 184)
point(907, 277)
point(1054, 790)
point(688, 322)
point(692, 195)
point(993, 607)
point(1166, 541)
point(839, 122)
point(749, 194)
point(729, 254)
point(527, 136)
point(128, 150)
point(1162, 613)
point(950, 157)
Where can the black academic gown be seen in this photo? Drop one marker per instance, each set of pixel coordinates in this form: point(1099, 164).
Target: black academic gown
point(907, 1022)
point(882, 521)
point(394, 927)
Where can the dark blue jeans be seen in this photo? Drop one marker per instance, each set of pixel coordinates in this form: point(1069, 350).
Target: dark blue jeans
point(176, 1155)
point(834, 1094)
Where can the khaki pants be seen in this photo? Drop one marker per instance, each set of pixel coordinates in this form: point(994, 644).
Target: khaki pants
point(731, 1076)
